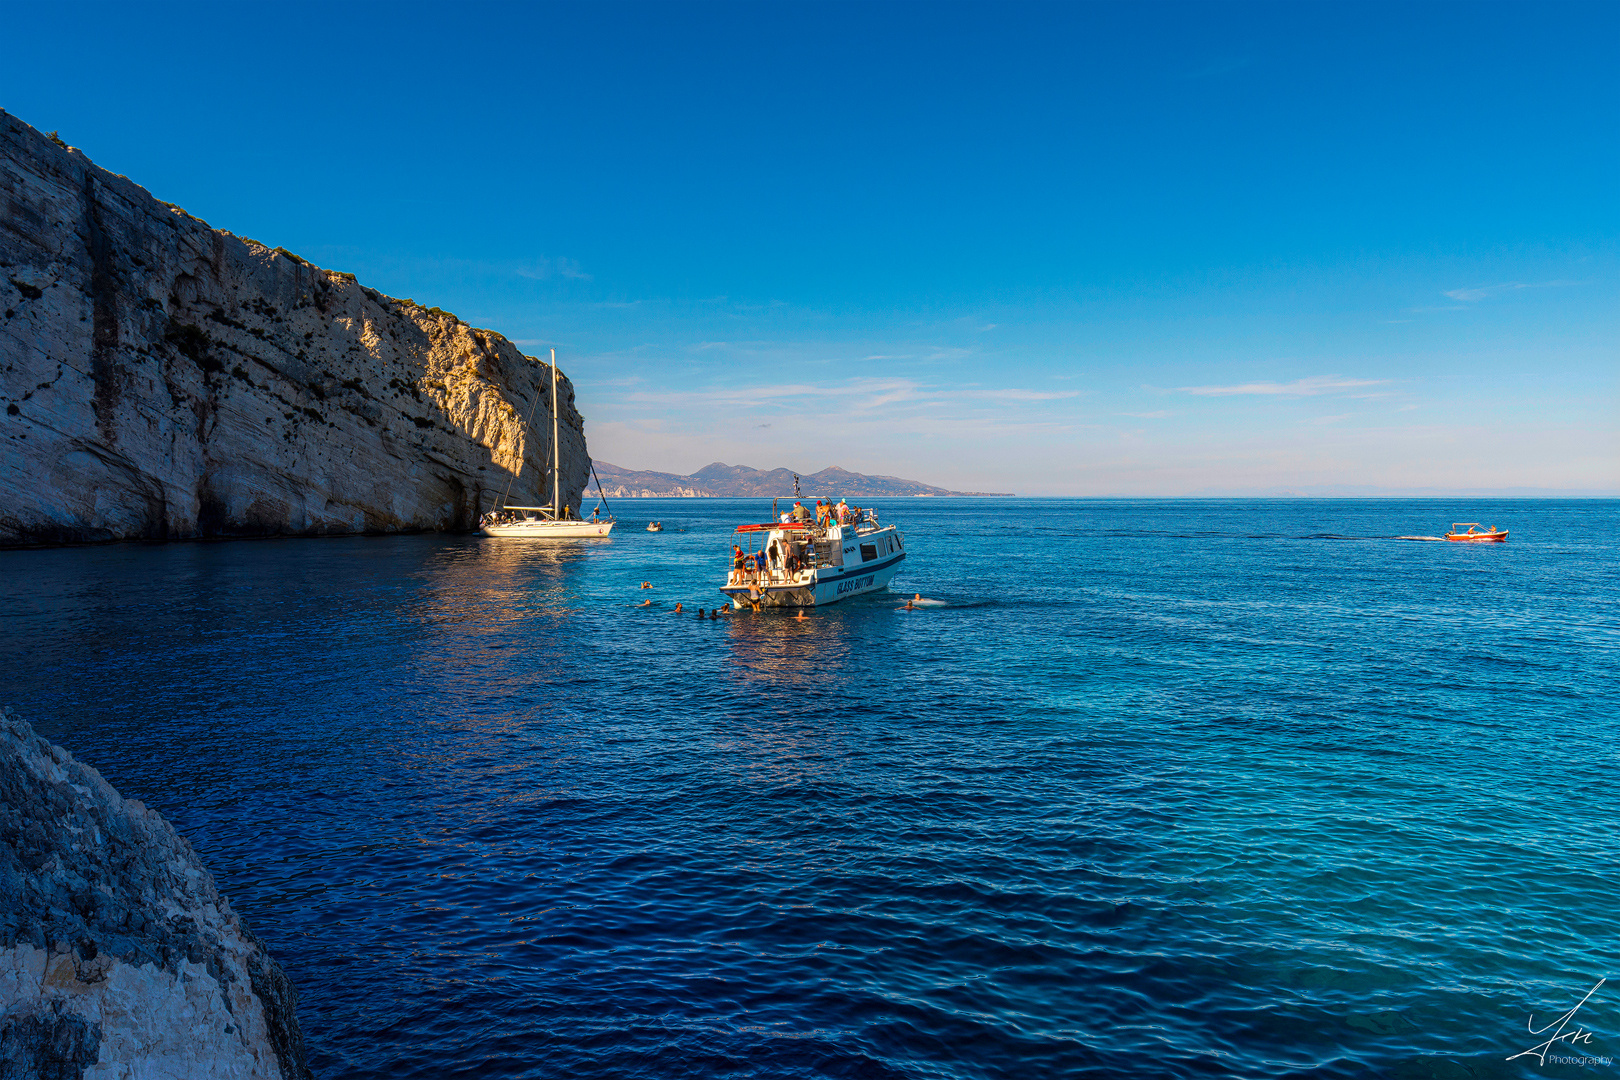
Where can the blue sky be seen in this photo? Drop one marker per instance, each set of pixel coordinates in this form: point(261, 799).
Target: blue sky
point(1054, 249)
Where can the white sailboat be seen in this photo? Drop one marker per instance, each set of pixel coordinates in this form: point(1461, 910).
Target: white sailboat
point(554, 522)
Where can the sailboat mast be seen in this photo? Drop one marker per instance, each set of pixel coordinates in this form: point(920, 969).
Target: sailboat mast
point(556, 448)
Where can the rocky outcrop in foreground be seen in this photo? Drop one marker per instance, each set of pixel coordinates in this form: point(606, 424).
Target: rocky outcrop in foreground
point(118, 956)
point(160, 379)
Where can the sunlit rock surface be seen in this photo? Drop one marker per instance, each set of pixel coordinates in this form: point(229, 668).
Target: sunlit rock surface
point(118, 956)
point(161, 379)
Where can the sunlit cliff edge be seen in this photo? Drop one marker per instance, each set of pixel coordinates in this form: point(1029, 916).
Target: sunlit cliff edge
point(161, 379)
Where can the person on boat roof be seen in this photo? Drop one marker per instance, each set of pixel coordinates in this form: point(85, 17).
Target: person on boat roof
point(799, 512)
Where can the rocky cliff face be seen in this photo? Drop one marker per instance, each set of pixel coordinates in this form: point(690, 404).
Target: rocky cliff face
point(118, 956)
point(161, 379)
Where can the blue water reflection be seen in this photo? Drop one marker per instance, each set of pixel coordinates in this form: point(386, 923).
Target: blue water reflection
point(1159, 789)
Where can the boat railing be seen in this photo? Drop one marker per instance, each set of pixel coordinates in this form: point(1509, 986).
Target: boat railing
point(771, 577)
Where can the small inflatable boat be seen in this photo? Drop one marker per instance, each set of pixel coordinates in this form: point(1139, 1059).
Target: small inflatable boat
point(1476, 532)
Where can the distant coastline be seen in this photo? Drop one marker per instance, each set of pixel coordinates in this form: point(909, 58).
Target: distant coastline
point(722, 481)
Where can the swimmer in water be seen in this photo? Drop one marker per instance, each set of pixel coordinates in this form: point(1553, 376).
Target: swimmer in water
point(909, 606)
point(800, 615)
point(646, 584)
point(645, 603)
point(677, 609)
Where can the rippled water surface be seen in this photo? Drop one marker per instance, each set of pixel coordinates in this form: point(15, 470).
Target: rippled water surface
point(1159, 788)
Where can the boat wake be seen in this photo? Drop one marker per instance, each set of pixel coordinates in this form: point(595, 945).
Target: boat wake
point(1336, 536)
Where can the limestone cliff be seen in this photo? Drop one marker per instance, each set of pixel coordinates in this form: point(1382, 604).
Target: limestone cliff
point(118, 955)
point(162, 379)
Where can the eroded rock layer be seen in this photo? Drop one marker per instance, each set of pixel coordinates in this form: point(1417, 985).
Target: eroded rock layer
point(160, 379)
point(118, 955)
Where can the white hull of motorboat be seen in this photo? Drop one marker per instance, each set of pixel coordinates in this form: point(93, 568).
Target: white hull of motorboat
point(866, 563)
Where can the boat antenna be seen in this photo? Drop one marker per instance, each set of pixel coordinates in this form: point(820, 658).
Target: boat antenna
point(526, 425)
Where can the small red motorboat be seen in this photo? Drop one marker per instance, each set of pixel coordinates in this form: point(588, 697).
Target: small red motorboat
point(1475, 531)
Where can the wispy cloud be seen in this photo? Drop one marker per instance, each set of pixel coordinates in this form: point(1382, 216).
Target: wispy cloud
point(1030, 395)
point(1312, 387)
point(1483, 292)
point(1159, 415)
point(544, 268)
point(861, 394)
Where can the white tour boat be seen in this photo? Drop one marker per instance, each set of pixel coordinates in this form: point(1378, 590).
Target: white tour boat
point(554, 522)
point(803, 564)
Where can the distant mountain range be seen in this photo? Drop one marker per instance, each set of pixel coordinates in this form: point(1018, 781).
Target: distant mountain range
point(722, 481)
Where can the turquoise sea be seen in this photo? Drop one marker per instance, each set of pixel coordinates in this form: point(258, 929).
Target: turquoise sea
point(1155, 789)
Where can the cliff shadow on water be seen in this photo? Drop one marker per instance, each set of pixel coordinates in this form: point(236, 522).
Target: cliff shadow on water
point(162, 379)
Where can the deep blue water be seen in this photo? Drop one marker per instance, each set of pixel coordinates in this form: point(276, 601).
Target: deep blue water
point(1162, 789)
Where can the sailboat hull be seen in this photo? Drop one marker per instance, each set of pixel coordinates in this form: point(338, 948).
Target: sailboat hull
point(552, 530)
